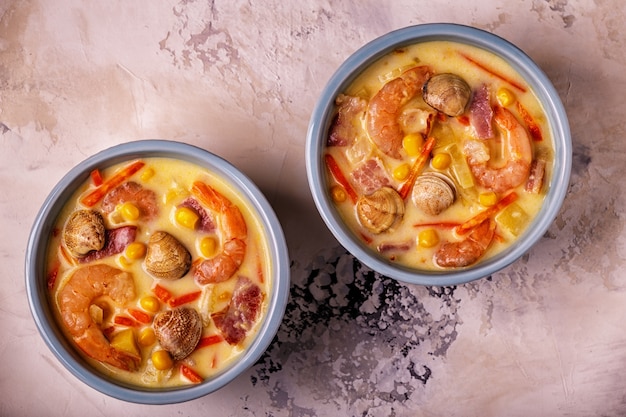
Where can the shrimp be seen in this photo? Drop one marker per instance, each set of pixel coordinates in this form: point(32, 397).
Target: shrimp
point(234, 234)
point(469, 250)
point(81, 290)
point(518, 151)
point(384, 109)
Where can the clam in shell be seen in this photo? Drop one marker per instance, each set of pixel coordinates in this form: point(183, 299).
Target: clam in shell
point(447, 93)
point(178, 331)
point(166, 257)
point(381, 210)
point(84, 232)
point(433, 193)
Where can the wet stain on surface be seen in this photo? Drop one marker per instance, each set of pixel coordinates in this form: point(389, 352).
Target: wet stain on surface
point(349, 329)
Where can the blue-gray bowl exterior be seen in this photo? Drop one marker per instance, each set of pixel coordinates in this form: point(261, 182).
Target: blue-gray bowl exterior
point(378, 48)
point(35, 270)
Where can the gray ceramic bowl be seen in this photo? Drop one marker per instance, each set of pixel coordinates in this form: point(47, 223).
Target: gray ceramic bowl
point(36, 281)
point(322, 117)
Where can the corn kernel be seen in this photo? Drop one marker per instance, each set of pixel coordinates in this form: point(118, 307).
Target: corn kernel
point(488, 198)
point(162, 360)
point(135, 250)
point(208, 246)
point(505, 96)
point(441, 160)
point(401, 172)
point(338, 194)
point(412, 144)
point(146, 337)
point(150, 303)
point(125, 262)
point(170, 195)
point(129, 211)
point(147, 174)
point(186, 217)
point(428, 238)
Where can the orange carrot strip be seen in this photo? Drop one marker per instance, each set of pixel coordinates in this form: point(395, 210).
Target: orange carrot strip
point(445, 225)
point(417, 167)
point(494, 73)
point(96, 195)
point(184, 299)
point(140, 316)
point(190, 374)
point(259, 269)
point(366, 238)
point(533, 127)
point(485, 214)
point(162, 294)
point(124, 321)
point(335, 170)
point(209, 340)
point(52, 276)
point(464, 120)
point(96, 177)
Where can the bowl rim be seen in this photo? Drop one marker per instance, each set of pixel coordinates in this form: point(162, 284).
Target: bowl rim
point(36, 288)
point(376, 49)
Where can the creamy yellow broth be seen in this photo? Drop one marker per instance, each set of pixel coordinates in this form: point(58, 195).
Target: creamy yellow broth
point(482, 67)
point(171, 180)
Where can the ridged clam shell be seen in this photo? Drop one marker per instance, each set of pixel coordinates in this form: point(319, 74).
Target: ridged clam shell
point(433, 193)
point(178, 331)
point(447, 93)
point(84, 232)
point(380, 210)
point(166, 257)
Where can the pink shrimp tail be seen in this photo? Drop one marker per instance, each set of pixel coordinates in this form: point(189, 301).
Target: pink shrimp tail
point(469, 250)
point(223, 266)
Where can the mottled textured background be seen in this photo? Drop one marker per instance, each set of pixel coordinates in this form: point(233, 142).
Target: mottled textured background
point(544, 337)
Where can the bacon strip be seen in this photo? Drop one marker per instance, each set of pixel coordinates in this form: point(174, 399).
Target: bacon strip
point(116, 242)
point(536, 176)
point(206, 222)
point(370, 176)
point(481, 113)
point(242, 311)
point(343, 131)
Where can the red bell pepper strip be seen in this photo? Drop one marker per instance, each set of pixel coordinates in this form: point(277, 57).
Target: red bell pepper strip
point(417, 167)
point(335, 170)
point(485, 214)
point(209, 340)
point(124, 321)
point(140, 316)
point(162, 294)
point(119, 177)
point(96, 177)
point(533, 127)
point(190, 374)
point(184, 299)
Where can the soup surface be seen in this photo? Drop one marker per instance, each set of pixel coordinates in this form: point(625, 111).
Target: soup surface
point(158, 272)
point(439, 156)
